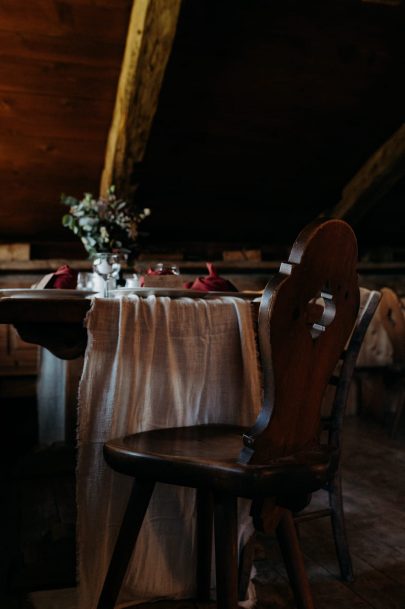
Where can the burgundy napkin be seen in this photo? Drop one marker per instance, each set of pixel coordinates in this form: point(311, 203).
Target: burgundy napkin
point(212, 283)
point(64, 278)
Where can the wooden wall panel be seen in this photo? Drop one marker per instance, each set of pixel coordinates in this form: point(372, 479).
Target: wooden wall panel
point(57, 78)
point(34, 174)
point(266, 108)
point(60, 63)
point(24, 156)
point(52, 116)
point(81, 50)
point(57, 18)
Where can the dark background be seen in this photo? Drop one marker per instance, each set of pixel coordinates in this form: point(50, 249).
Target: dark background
point(267, 110)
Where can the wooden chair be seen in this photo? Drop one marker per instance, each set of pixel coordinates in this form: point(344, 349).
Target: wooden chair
point(280, 460)
point(391, 316)
point(333, 424)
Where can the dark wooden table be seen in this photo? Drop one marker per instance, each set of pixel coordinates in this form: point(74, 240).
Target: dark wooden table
point(56, 324)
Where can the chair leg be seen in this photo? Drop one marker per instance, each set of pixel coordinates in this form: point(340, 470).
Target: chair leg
point(397, 412)
point(226, 557)
point(246, 559)
point(205, 512)
point(136, 508)
point(294, 562)
point(339, 529)
point(358, 381)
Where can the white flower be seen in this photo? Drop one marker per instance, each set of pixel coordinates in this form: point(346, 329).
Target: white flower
point(104, 234)
point(105, 223)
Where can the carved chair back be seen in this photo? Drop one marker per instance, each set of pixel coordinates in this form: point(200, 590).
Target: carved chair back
point(306, 316)
point(391, 316)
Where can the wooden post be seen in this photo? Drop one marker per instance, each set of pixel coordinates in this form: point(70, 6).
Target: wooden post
point(374, 179)
point(151, 32)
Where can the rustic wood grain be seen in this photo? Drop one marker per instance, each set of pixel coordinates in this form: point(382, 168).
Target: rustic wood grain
point(58, 78)
point(51, 187)
point(282, 120)
point(36, 172)
point(82, 50)
point(150, 36)
point(50, 17)
point(374, 487)
point(374, 179)
point(58, 72)
point(28, 161)
point(37, 115)
point(19, 153)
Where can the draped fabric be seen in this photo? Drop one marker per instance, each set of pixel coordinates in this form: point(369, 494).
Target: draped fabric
point(153, 363)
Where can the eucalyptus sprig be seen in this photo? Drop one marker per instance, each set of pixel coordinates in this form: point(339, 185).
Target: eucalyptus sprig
point(104, 224)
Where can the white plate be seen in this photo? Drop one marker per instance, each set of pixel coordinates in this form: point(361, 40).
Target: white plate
point(51, 293)
point(180, 293)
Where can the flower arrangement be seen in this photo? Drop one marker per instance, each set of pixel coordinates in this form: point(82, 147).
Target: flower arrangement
point(105, 224)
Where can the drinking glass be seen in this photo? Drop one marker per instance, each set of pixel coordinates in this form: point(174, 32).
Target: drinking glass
point(133, 281)
point(108, 265)
point(84, 281)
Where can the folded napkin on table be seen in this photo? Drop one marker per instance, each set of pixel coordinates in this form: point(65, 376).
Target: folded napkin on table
point(63, 278)
point(212, 283)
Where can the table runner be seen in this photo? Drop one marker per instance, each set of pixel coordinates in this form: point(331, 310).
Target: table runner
point(154, 363)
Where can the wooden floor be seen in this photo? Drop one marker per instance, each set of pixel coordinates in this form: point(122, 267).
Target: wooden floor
point(39, 532)
point(374, 487)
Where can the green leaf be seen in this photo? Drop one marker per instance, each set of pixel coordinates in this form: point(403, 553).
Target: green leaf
point(66, 220)
point(69, 201)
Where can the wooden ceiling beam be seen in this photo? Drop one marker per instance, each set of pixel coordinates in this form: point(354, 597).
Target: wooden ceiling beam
point(151, 32)
point(374, 180)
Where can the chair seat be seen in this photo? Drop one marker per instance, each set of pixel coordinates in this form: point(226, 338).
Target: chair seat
point(207, 456)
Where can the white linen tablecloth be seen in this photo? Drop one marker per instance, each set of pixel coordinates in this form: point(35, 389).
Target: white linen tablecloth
point(154, 363)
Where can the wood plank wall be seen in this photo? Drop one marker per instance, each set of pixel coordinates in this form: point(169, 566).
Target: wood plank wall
point(59, 68)
point(267, 109)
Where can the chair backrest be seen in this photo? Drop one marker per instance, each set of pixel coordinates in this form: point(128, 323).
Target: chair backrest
point(334, 422)
point(307, 313)
point(392, 319)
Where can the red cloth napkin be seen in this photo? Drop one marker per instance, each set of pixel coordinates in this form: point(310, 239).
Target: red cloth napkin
point(212, 283)
point(64, 278)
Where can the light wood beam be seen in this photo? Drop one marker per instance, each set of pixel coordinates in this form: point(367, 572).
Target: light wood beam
point(375, 178)
point(151, 32)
